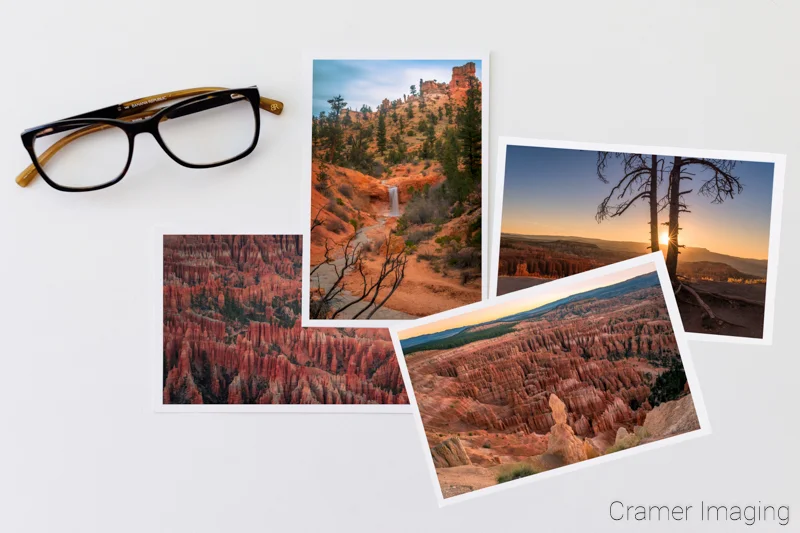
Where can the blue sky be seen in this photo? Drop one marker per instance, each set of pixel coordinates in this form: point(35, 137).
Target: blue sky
point(551, 191)
point(362, 81)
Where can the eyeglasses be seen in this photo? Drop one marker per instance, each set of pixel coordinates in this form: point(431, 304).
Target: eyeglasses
point(210, 127)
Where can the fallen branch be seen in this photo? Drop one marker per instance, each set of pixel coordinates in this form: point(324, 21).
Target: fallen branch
point(706, 308)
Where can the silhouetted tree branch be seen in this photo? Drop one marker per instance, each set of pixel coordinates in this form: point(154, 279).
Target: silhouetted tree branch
point(640, 179)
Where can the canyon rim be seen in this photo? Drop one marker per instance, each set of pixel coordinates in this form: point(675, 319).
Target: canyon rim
point(580, 371)
point(397, 175)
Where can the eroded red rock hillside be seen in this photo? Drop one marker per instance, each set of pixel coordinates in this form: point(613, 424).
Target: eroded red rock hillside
point(576, 382)
point(396, 202)
point(232, 331)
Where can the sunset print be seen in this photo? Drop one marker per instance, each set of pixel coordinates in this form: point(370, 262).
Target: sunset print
point(565, 211)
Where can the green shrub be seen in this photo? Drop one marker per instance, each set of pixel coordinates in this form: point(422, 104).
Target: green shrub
point(346, 190)
point(423, 209)
point(464, 258)
point(335, 225)
point(629, 441)
point(339, 201)
point(415, 237)
point(487, 444)
point(517, 473)
point(475, 239)
point(338, 210)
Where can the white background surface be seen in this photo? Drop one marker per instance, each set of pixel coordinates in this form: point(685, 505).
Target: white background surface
point(80, 447)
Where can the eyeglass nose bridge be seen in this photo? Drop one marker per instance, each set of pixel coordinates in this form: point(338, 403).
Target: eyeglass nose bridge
point(142, 125)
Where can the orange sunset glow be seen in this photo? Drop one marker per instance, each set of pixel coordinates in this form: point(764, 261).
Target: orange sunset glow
point(527, 301)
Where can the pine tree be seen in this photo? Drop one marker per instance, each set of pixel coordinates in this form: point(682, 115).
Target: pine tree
point(381, 133)
point(334, 129)
point(398, 153)
point(469, 131)
point(428, 145)
point(457, 182)
point(410, 110)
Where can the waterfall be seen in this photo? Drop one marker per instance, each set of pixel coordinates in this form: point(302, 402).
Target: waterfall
point(394, 206)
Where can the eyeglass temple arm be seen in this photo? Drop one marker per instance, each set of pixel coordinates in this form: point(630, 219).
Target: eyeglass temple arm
point(123, 112)
point(267, 104)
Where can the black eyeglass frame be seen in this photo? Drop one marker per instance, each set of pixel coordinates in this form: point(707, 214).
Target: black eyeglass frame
point(142, 121)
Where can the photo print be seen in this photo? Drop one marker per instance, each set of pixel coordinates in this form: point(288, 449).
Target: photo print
point(575, 372)
point(232, 341)
point(564, 208)
point(397, 180)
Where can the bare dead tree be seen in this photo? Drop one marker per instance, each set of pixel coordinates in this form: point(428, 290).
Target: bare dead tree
point(640, 180)
point(348, 257)
point(391, 272)
point(352, 253)
point(317, 222)
point(722, 185)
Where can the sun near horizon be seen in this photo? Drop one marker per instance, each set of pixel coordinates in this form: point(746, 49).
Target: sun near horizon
point(556, 192)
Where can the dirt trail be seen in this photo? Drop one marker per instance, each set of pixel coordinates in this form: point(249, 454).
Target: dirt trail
point(325, 277)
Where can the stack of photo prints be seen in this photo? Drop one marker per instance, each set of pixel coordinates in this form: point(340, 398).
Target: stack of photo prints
point(528, 338)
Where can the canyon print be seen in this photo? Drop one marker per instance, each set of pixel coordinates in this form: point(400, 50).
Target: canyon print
point(232, 332)
point(396, 188)
point(566, 211)
point(518, 388)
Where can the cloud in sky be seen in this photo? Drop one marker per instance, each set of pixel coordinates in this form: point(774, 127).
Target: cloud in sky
point(370, 81)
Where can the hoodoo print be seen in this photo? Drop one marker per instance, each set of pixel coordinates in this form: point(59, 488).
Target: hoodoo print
point(232, 332)
point(524, 387)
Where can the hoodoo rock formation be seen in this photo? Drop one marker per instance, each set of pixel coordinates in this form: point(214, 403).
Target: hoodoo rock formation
point(232, 331)
point(432, 87)
point(459, 83)
point(563, 443)
point(449, 453)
